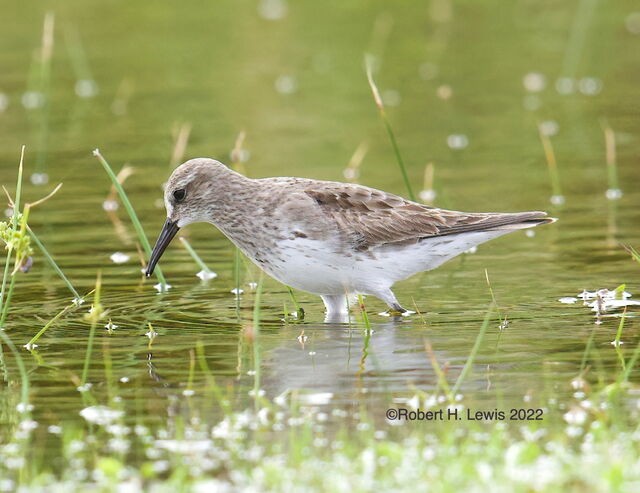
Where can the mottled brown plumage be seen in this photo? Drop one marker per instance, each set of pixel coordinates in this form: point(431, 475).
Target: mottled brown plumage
point(377, 218)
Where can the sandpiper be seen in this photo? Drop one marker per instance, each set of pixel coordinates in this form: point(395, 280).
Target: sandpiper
point(328, 238)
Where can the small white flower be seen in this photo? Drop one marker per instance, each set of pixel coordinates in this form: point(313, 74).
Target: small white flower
point(206, 275)
point(162, 288)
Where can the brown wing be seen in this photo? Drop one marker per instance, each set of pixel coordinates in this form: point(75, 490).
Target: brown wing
point(373, 218)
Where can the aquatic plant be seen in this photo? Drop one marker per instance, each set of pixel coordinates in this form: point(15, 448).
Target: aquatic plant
point(16, 236)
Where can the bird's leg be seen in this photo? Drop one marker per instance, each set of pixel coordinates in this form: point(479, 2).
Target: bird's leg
point(336, 304)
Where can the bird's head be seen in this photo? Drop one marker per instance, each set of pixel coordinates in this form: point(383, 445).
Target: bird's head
point(189, 197)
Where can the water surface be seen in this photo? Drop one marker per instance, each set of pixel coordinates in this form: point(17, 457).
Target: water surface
point(297, 87)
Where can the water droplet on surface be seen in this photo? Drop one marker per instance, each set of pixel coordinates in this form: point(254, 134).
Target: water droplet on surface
point(590, 86)
point(457, 141)
point(549, 127)
point(110, 205)
point(444, 92)
point(613, 193)
point(351, 173)
point(534, 82)
point(272, 10)
point(286, 84)
point(32, 100)
point(86, 88)
point(39, 178)
point(427, 195)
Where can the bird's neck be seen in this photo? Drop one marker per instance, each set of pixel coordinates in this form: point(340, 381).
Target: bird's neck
point(235, 196)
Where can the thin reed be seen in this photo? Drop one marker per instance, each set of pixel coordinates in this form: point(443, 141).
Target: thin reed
point(383, 115)
point(77, 298)
point(205, 273)
point(93, 317)
point(142, 237)
point(41, 332)
point(552, 165)
point(474, 351)
point(44, 82)
point(442, 378)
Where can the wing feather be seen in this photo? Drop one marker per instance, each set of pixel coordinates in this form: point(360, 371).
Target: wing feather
point(372, 218)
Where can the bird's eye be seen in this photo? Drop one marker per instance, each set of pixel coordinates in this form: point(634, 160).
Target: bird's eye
point(179, 194)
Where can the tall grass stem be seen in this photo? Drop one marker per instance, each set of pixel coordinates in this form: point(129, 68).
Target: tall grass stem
point(142, 237)
point(385, 120)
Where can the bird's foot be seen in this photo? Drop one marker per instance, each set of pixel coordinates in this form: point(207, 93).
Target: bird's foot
point(397, 311)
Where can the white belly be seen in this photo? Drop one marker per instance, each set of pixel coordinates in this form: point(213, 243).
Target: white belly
point(311, 266)
point(323, 268)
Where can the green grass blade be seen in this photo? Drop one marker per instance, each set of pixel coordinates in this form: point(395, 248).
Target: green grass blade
point(194, 255)
point(53, 264)
point(142, 237)
point(474, 352)
point(62, 312)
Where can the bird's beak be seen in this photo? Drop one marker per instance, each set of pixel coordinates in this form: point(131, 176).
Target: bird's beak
point(169, 230)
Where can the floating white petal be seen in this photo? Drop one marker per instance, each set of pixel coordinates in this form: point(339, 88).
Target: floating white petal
point(101, 415)
point(119, 258)
point(206, 275)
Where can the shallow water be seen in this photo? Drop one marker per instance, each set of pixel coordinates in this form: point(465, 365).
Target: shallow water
point(297, 87)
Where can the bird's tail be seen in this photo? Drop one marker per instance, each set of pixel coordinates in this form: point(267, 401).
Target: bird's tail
point(523, 220)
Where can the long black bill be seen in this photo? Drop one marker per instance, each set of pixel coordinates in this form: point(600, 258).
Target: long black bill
point(169, 230)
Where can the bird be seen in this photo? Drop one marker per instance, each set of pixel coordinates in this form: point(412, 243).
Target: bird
point(332, 239)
